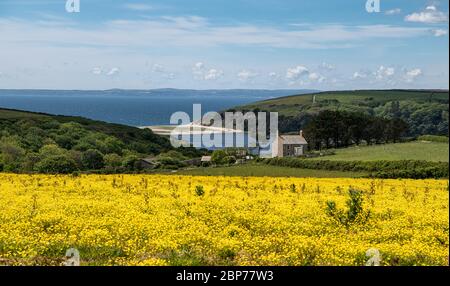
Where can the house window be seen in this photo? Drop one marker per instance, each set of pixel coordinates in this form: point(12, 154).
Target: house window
point(298, 151)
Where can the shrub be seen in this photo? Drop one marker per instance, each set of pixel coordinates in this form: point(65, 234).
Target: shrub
point(130, 162)
point(112, 160)
point(92, 159)
point(199, 191)
point(218, 157)
point(170, 163)
point(56, 164)
point(355, 212)
point(379, 169)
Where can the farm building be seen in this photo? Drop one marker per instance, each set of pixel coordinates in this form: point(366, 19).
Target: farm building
point(289, 145)
point(147, 163)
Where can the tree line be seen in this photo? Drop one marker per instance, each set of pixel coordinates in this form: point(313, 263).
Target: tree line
point(337, 129)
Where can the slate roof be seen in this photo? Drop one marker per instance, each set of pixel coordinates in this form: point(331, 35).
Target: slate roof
point(293, 139)
point(149, 160)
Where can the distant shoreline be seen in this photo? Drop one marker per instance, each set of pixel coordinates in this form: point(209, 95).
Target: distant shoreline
point(201, 129)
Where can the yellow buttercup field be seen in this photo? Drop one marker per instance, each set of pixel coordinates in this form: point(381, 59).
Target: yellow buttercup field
point(183, 220)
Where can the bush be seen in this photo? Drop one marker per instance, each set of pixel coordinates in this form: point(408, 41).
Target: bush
point(218, 157)
point(355, 212)
point(56, 164)
point(379, 169)
point(170, 163)
point(173, 154)
point(199, 191)
point(92, 159)
point(131, 163)
point(112, 160)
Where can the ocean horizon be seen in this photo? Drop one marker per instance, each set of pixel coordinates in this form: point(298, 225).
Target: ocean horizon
point(132, 107)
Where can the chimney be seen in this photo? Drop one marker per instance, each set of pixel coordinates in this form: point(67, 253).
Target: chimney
point(301, 133)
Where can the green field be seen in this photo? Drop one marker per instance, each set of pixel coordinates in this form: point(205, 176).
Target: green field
point(358, 100)
point(255, 170)
point(417, 150)
point(424, 111)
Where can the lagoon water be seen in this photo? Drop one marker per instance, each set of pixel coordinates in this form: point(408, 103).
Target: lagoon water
point(132, 107)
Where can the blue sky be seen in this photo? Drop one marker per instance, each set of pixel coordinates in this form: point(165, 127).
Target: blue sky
point(200, 44)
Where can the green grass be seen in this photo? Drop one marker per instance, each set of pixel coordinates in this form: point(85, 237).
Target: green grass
point(18, 114)
point(361, 99)
point(417, 150)
point(255, 170)
point(433, 138)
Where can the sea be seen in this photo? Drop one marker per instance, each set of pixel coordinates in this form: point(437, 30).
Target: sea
point(133, 107)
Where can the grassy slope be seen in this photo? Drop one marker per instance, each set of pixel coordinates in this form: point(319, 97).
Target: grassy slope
point(418, 150)
point(359, 100)
point(254, 170)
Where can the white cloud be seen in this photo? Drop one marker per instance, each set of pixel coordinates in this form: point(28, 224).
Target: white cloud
point(213, 74)
point(194, 32)
point(138, 7)
point(162, 71)
point(384, 72)
point(411, 75)
point(199, 66)
point(303, 76)
point(360, 75)
point(97, 70)
point(388, 76)
point(393, 11)
point(113, 71)
point(326, 66)
point(274, 76)
point(201, 72)
point(158, 68)
point(439, 32)
point(296, 72)
point(246, 75)
point(430, 15)
point(315, 77)
point(198, 70)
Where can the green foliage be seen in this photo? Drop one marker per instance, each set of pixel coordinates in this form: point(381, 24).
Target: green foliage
point(92, 159)
point(218, 157)
point(112, 161)
point(199, 191)
point(170, 163)
point(433, 138)
point(131, 162)
point(173, 154)
point(227, 156)
point(355, 212)
point(11, 154)
point(56, 164)
point(293, 188)
point(26, 138)
point(261, 170)
point(341, 129)
point(378, 169)
point(425, 112)
point(414, 150)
